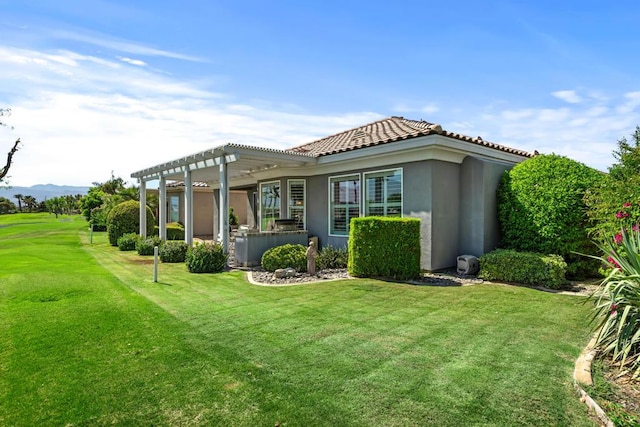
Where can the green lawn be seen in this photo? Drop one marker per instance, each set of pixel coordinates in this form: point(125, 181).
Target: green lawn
point(87, 338)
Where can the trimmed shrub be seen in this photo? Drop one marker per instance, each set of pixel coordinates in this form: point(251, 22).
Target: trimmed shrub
point(331, 258)
point(527, 268)
point(206, 258)
point(145, 246)
point(173, 251)
point(384, 247)
point(125, 218)
point(175, 231)
point(128, 242)
point(541, 209)
point(285, 256)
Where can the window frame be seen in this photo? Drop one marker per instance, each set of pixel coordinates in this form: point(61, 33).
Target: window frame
point(304, 200)
point(331, 205)
point(365, 204)
point(171, 198)
point(279, 207)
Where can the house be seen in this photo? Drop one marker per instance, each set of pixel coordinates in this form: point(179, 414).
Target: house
point(391, 167)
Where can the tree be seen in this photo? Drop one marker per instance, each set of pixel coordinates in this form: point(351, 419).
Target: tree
point(19, 198)
point(103, 197)
point(617, 194)
point(6, 206)
point(56, 205)
point(30, 202)
point(5, 169)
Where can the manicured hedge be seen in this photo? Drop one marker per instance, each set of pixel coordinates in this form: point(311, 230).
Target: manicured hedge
point(541, 209)
point(206, 258)
point(145, 246)
point(285, 256)
point(384, 247)
point(175, 231)
point(128, 241)
point(125, 218)
point(528, 268)
point(173, 251)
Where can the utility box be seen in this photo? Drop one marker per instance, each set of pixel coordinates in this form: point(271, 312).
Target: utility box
point(468, 265)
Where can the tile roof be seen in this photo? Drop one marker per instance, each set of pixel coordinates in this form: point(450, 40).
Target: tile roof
point(386, 131)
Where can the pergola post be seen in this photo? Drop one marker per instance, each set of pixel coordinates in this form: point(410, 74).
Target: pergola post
point(224, 205)
point(162, 209)
point(143, 208)
point(188, 208)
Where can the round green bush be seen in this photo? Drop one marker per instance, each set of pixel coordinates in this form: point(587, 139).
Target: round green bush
point(146, 246)
point(173, 251)
point(206, 258)
point(128, 242)
point(541, 209)
point(285, 256)
point(125, 218)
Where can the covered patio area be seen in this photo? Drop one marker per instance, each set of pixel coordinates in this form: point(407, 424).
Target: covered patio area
point(222, 168)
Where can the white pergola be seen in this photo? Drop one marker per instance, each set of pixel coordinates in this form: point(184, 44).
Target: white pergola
point(220, 167)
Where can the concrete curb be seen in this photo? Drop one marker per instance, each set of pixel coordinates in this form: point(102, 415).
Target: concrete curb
point(582, 375)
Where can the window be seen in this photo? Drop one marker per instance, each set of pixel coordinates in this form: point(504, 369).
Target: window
point(174, 208)
point(269, 204)
point(383, 193)
point(297, 202)
point(344, 203)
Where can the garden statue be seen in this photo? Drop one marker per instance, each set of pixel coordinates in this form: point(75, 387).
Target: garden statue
point(312, 253)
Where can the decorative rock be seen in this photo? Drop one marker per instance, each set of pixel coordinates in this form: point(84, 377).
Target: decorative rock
point(290, 272)
point(280, 273)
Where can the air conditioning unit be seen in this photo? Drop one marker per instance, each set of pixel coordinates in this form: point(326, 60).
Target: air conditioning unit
point(468, 265)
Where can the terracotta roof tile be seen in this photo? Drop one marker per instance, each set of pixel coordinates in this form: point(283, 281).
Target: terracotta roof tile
point(386, 131)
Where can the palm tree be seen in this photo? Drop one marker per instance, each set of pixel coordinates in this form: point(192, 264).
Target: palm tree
point(19, 197)
point(30, 201)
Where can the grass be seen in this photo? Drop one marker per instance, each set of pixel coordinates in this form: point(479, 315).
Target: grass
point(609, 395)
point(87, 338)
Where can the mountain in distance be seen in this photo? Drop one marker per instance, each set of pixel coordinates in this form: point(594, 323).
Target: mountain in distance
point(42, 192)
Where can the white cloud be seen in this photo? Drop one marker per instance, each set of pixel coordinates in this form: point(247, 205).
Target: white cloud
point(87, 116)
point(569, 96)
point(587, 132)
point(120, 45)
point(132, 61)
point(81, 116)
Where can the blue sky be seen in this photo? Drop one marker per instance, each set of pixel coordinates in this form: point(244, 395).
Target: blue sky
point(101, 86)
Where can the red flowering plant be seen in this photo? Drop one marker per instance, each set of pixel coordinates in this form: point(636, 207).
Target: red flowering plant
point(616, 313)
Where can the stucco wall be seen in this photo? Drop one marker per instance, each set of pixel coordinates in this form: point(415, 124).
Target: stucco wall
point(202, 213)
point(479, 229)
point(445, 216)
point(456, 204)
point(417, 203)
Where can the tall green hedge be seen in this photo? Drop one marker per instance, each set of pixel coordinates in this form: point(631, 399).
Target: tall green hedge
point(125, 218)
point(541, 209)
point(384, 247)
point(528, 268)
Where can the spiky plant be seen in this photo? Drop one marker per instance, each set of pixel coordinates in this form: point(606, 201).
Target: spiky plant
point(616, 313)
